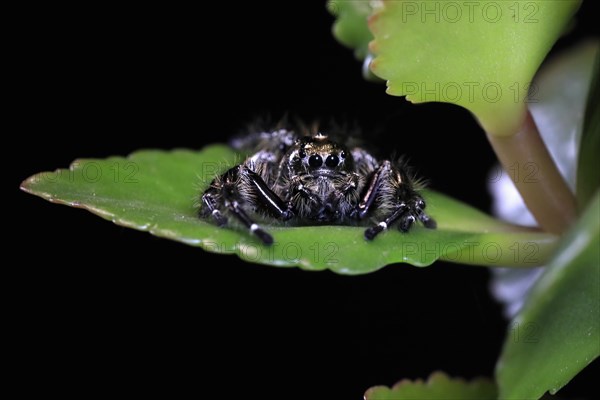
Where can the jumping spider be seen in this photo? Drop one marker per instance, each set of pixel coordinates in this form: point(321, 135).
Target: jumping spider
point(313, 180)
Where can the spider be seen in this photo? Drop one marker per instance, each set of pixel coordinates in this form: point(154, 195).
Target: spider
point(313, 180)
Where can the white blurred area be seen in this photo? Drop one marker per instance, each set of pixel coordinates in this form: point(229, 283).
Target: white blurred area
point(509, 286)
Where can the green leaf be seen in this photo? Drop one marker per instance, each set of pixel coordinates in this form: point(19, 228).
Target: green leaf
point(588, 171)
point(438, 387)
point(479, 55)
point(157, 191)
point(350, 27)
point(557, 333)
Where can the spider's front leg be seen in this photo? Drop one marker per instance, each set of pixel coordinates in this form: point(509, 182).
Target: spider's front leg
point(391, 190)
point(406, 214)
point(373, 189)
point(419, 212)
point(236, 188)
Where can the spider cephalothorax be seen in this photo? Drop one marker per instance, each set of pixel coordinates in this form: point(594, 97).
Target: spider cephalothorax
point(313, 180)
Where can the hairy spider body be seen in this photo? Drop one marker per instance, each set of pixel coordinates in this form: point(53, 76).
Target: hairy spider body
point(308, 180)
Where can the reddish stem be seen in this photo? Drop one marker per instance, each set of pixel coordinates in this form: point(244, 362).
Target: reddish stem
point(536, 177)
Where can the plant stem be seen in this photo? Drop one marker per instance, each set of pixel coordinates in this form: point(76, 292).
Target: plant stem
point(527, 160)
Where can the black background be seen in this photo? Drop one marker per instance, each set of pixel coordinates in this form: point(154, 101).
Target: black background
point(102, 305)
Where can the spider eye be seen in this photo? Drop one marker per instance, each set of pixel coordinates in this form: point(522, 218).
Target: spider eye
point(343, 154)
point(332, 161)
point(315, 161)
point(302, 153)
